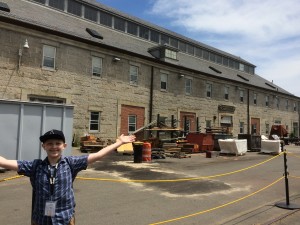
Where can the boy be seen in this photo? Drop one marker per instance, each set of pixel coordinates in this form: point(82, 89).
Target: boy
point(52, 178)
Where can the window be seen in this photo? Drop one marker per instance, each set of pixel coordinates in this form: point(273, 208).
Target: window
point(174, 42)
point(190, 49)
point(131, 123)
point(170, 54)
point(208, 90)
point(295, 129)
point(154, 36)
point(225, 61)
point(231, 63)
point(226, 93)
point(105, 19)
point(133, 76)
point(182, 46)
point(212, 57)
point(188, 86)
point(255, 99)
point(277, 122)
point(49, 56)
point(48, 99)
point(267, 101)
point(132, 28)
point(74, 7)
point(198, 52)
point(219, 59)
point(246, 68)
point(241, 67)
point(241, 96)
point(96, 66)
point(241, 127)
point(277, 102)
point(208, 123)
point(164, 39)
point(287, 105)
point(58, 4)
point(144, 32)
point(187, 125)
point(119, 24)
point(267, 128)
point(90, 13)
point(94, 121)
point(205, 54)
point(295, 107)
point(163, 81)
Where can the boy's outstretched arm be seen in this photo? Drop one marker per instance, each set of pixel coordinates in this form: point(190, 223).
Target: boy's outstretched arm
point(8, 164)
point(93, 157)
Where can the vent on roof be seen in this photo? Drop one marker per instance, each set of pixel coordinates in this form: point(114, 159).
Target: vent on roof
point(214, 69)
point(4, 7)
point(244, 78)
point(94, 33)
point(270, 85)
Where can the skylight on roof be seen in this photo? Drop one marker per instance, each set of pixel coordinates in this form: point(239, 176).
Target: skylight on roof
point(270, 85)
point(244, 78)
point(4, 7)
point(214, 69)
point(94, 33)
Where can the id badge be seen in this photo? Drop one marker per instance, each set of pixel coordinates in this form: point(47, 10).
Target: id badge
point(50, 208)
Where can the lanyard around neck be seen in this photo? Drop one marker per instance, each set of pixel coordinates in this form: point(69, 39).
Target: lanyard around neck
point(52, 175)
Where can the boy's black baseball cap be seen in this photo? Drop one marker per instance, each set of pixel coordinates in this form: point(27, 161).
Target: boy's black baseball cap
point(53, 134)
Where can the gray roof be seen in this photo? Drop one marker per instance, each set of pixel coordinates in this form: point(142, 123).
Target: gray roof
point(44, 18)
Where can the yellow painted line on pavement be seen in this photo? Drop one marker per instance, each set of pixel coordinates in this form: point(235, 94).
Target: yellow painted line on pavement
point(218, 207)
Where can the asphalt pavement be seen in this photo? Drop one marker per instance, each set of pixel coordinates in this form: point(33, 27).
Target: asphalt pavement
point(225, 190)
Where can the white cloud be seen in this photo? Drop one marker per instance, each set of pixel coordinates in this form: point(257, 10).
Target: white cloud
point(265, 33)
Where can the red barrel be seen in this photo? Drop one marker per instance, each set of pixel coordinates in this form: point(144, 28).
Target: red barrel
point(146, 152)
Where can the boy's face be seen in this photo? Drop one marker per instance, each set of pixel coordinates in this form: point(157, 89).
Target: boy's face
point(54, 147)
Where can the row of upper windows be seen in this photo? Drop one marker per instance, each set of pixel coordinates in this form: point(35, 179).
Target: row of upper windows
point(49, 54)
point(85, 11)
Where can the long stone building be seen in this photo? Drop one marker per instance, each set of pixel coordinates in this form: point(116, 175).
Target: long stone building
point(119, 72)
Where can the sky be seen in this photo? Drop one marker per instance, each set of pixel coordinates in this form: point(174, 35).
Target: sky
point(265, 33)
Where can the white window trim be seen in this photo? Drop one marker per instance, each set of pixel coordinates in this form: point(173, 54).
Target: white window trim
point(52, 57)
point(135, 123)
point(98, 122)
point(93, 66)
point(188, 86)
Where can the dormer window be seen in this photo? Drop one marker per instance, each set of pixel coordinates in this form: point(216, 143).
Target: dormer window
point(164, 52)
point(170, 54)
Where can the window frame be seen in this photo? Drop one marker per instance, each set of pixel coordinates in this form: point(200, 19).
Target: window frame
point(208, 90)
point(93, 122)
point(95, 66)
point(242, 126)
point(170, 54)
point(163, 81)
point(267, 101)
point(130, 124)
point(254, 99)
point(226, 93)
point(133, 74)
point(188, 82)
point(50, 57)
point(241, 96)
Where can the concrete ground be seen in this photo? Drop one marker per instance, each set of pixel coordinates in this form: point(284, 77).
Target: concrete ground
point(223, 190)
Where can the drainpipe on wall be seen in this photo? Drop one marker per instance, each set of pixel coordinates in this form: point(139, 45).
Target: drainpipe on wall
point(298, 119)
point(151, 96)
point(248, 112)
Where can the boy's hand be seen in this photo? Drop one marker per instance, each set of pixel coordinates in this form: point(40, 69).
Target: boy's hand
point(126, 139)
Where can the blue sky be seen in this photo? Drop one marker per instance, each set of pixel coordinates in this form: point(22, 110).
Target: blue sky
point(265, 33)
